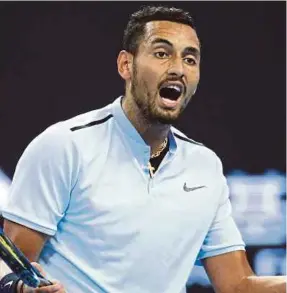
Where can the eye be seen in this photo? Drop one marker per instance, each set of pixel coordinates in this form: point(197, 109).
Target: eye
point(161, 55)
point(189, 61)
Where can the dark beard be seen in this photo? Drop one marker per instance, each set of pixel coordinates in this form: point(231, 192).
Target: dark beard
point(140, 98)
point(146, 103)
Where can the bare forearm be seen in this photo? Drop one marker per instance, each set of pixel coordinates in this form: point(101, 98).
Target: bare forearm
point(255, 284)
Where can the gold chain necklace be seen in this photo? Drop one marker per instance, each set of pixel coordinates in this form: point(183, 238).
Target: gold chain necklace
point(161, 148)
point(156, 154)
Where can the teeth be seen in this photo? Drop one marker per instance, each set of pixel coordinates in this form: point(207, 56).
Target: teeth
point(175, 87)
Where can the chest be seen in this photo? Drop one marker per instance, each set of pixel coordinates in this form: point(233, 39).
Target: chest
point(117, 193)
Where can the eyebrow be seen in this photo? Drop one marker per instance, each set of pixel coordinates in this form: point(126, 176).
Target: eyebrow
point(191, 51)
point(160, 40)
point(188, 50)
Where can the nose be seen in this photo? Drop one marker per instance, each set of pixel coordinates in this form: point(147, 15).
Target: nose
point(176, 68)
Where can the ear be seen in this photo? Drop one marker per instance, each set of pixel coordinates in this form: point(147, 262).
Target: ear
point(124, 63)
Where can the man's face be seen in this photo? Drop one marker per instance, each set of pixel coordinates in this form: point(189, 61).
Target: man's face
point(165, 70)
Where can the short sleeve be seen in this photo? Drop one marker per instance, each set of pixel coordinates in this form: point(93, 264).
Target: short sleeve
point(43, 180)
point(223, 235)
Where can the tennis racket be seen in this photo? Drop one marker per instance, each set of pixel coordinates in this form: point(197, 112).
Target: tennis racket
point(19, 264)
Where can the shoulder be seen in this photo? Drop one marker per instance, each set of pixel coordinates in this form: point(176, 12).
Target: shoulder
point(181, 136)
point(196, 150)
point(86, 121)
point(66, 138)
point(78, 127)
point(191, 145)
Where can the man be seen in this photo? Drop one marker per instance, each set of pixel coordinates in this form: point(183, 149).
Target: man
point(118, 200)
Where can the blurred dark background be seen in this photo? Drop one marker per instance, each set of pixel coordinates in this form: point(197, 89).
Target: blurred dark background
point(58, 59)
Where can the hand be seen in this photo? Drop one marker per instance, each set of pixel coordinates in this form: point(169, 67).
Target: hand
point(55, 288)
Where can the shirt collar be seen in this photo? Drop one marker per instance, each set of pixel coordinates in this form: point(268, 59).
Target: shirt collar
point(130, 131)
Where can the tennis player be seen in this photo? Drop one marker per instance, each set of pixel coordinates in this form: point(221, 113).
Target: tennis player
point(118, 200)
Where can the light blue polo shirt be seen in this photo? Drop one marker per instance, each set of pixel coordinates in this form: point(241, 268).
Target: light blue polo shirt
point(85, 182)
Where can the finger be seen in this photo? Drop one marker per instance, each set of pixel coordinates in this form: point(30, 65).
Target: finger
point(55, 288)
point(39, 268)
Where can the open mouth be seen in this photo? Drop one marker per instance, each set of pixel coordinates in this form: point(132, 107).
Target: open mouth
point(170, 92)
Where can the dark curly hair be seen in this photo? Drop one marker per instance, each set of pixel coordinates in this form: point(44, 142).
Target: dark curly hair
point(135, 28)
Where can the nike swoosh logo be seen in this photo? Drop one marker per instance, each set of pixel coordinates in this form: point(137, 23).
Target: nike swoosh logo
point(188, 189)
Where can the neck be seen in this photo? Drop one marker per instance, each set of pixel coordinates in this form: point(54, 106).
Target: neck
point(152, 133)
